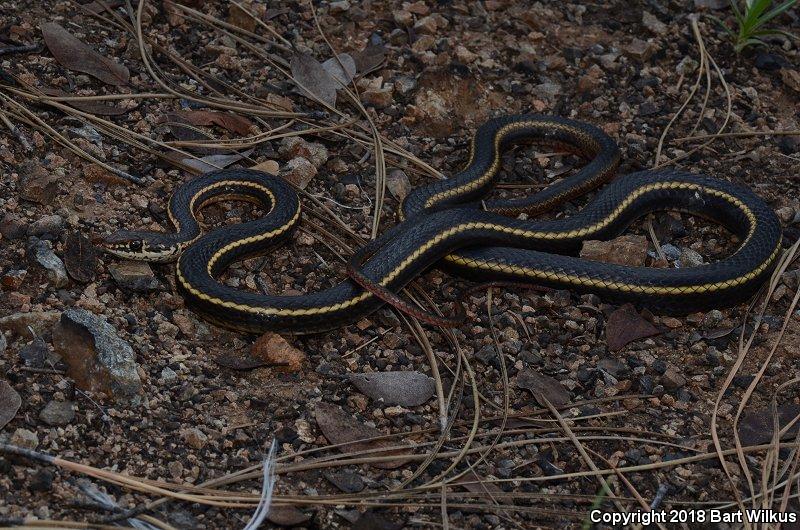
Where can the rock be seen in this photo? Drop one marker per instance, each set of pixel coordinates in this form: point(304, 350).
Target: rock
point(711, 4)
point(791, 78)
point(267, 166)
point(614, 367)
point(758, 426)
point(42, 254)
point(790, 145)
point(589, 82)
point(378, 97)
point(427, 25)
point(49, 224)
point(625, 250)
point(408, 389)
point(404, 85)
point(34, 353)
point(168, 375)
point(12, 227)
point(345, 480)
point(41, 190)
point(671, 252)
point(10, 401)
point(653, 24)
point(42, 480)
point(194, 438)
point(338, 7)
point(770, 61)
point(639, 50)
point(13, 279)
point(785, 214)
point(3, 343)
point(423, 43)
point(134, 276)
point(57, 413)
point(464, 55)
point(274, 350)
point(403, 17)
point(398, 183)
point(299, 172)
point(25, 439)
point(547, 90)
point(97, 358)
point(690, 258)
point(672, 380)
point(22, 323)
point(294, 146)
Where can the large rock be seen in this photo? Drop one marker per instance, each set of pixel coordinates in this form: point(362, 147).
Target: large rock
point(98, 359)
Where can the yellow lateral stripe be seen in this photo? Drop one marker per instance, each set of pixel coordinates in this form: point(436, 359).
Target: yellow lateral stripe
point(586, 281)
point(474, 184)
point(583, 281)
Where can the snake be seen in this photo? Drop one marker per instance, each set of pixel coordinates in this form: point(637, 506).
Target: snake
point(455, 224)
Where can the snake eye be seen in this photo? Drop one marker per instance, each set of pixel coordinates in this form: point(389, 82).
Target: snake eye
point(135, 245)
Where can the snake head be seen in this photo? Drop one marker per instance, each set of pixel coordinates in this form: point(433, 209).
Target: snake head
point(141, 246)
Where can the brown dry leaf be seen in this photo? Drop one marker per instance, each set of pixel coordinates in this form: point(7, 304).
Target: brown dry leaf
point(538, 384)
point(80, 257)
point(479, 486)
point(76, 55)
point(9, 403)
point(97, 108)
point(313, 79)
point(625, 325)
point(287, 516)
point(340, 427)
point(369, 58)
point(274, 350)
point(232, 122)
point(267, 166)
point(757, 427)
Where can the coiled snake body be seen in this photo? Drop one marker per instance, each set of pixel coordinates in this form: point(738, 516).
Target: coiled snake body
point(448, 222)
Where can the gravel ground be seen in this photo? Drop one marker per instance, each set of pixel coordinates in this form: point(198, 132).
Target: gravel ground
point(103, 365)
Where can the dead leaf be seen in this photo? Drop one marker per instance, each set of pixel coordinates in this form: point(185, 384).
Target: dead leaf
point(625, 325)
point(97, 108)
point(206, 163)
point(314, 81)
point(76, 55)
point(267, 166)
point(97, 173)
point(407, 389)
point(232, 122)
point(334, 68)
point(274, 350)
point(369, 59)
point(9, 403)
point(238, 360)
point(756, 427)
point(538, 384)
point(96, 8)
point(339, 427)
point(481, 487)
point(287, 516)
point(374, 520)
point(80, 257)
point(398, 183)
